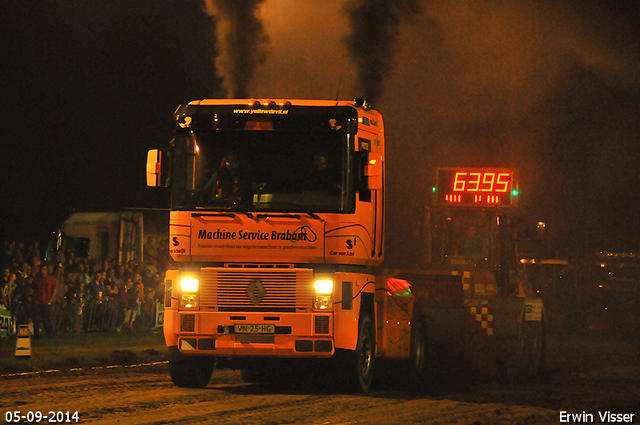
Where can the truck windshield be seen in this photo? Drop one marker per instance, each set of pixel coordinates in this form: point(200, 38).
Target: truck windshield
point(263, 166)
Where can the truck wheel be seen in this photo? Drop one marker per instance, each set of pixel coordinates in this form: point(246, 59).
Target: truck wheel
point(355, 368)
point(189, 371)
point(419, 355)
point(531, 348)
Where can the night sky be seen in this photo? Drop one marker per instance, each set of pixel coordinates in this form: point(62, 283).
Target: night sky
point(550, 88)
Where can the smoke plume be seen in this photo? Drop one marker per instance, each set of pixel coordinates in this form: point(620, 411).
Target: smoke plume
point(374, 30)
point(241, 42)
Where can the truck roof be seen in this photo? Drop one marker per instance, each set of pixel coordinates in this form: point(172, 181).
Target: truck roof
point(267, 102)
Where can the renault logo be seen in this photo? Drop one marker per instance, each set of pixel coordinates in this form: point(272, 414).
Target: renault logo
point(256, 291)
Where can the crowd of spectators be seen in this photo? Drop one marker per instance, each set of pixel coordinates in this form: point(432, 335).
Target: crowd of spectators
point(66, 293)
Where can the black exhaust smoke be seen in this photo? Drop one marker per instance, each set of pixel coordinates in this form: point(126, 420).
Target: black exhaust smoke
point(371, 44)
point(241, 42)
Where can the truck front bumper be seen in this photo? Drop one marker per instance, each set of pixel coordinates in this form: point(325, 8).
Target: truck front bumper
point(250, 334)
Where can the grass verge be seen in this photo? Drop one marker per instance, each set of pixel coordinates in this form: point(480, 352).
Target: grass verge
point(68, 350)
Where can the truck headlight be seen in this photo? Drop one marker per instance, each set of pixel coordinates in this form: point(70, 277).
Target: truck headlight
point(189, 284)
point(323, 299)
point(189, 297)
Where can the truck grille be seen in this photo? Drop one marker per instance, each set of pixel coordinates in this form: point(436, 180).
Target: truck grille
point(187, 323)
point(249, 289)
point(322, 324)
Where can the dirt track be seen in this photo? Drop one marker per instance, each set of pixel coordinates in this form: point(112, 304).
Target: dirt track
point(591, 376)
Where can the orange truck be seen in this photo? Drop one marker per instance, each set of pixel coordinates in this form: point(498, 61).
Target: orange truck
point(277, 234)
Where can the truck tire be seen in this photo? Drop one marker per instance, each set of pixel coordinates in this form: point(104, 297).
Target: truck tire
point(355, 368)
point(419, 352)
point(189, 371)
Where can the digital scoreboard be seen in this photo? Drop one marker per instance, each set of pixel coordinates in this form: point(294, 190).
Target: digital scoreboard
point(478, 187)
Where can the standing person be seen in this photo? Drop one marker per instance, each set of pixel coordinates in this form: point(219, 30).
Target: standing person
point(34, 251)
point(158, 286)
point(125, 296)
point(44, 292)
point(128, 270)
point(83, 275)
point(110, 286)
point(105, 266)
point(19, 254)
point(150, 250)
point(110, 301)
point(75, 306)
point(22, 296)
point(164, 258)
point(118, 277)
point(69, 260)
point(5, 287)
point(151, 266)
point(65, 323)
point(139, 283)
point(136, 297)
point(95, 305)
point(57, 312)
point(36, 265)
point(148, 310)
point(96, 287)
point(8, 259)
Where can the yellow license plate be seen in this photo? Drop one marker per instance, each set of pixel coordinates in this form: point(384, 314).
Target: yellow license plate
point(254, 329)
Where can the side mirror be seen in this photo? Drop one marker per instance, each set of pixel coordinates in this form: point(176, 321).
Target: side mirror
point(154, 168)
point(373, 171)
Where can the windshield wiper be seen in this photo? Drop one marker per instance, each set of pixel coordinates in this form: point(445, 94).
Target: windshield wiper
point(221, 214)
point(299, 207)
point(230, 206)
point(245, 212)
point(279, 215)
point(213, 214)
